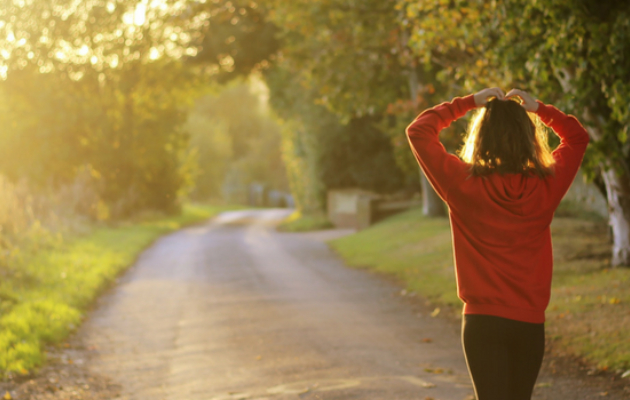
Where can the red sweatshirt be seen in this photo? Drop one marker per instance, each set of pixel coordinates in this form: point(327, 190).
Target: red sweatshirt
point(500, 223)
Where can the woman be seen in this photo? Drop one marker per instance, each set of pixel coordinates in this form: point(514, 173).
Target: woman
point(501, 195)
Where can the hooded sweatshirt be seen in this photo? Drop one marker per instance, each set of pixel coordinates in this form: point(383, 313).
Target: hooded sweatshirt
point(500, 222)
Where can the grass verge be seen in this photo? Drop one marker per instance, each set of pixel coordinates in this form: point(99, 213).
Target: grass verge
point(48, 298)
point(298, 222)
point(589, 312)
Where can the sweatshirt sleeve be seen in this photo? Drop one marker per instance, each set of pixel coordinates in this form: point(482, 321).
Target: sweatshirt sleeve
point(442, 169)
point(569, 153)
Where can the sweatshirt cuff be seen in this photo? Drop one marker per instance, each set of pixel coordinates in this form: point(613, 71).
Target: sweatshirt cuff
point(461, 105)
point(545, 112)
point(468, 102)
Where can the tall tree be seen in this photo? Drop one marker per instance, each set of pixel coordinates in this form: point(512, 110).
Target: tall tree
point(321, 151)
point(236, 38)
point(99, 83)
point(352, 56)
point(570, 52)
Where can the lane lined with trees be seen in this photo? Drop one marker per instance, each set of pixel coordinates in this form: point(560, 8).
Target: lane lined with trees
point(335, 69)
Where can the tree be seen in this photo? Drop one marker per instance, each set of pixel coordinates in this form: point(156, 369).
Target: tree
point(342, 56)
point(234, 135)
point(99, 84)
point(321, 151)
point(235, 39)
point(351, 55)
point(570, 52)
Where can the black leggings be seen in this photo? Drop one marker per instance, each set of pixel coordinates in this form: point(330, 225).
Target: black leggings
point(503, 356)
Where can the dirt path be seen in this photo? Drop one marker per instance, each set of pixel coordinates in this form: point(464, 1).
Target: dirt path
point(234, 310)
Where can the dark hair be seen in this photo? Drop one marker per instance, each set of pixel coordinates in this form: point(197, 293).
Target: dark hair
point(506, 139)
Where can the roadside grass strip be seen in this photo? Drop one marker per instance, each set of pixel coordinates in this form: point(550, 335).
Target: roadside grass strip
point(49, 298)
point(589, 312)
point(299, 222)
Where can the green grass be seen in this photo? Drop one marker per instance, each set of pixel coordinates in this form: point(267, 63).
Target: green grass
point(298, 222)
point(48, 299)
point(589, 313)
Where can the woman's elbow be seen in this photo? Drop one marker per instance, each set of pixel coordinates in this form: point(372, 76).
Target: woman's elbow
point(411, 131)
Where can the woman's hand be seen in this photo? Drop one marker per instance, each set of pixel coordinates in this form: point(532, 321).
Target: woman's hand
point(483, 96)
point(527, 101)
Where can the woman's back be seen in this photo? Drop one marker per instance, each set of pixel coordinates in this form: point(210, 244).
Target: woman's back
point(502, 246)
point(500, 221)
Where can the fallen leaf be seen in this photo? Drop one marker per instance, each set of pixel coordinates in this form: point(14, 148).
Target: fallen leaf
point(543, 385)
point(7, 396)
point(258, 357)
point(626, 374)
point(427, 340)
point(435, 312)
point(603, 394)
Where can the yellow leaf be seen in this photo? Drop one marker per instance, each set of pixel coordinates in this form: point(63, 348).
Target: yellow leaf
point(7, 396)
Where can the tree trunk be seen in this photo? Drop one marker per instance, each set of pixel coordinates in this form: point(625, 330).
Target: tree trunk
point(617, 180)
point(432, 204)
point(618, 188)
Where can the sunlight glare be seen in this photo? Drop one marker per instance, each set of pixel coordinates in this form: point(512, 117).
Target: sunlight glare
point(139, 16)
point(467, 155)
point(128, 18)
point(154, 53)
point(157, 4)
point(84, 50)
point(61, 56)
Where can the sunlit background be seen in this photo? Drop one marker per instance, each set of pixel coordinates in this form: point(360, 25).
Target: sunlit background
point(142, 105)
point(111, 110)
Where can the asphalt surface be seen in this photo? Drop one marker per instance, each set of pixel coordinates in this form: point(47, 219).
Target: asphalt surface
point(233, 309)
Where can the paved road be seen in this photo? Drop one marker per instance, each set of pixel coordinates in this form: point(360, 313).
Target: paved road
point(234, 310)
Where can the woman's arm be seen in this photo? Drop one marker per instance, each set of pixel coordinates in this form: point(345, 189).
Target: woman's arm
point(441, 168)
point(573, 140)
point(569, 153)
